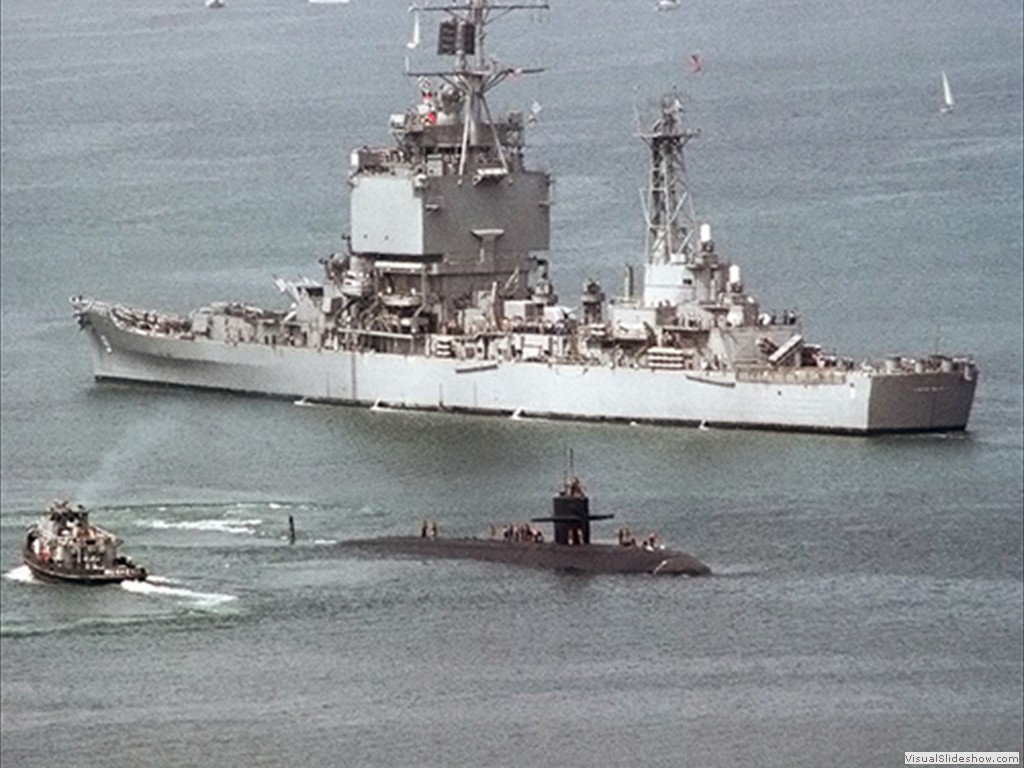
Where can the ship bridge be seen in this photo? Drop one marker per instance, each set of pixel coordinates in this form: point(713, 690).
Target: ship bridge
point(453, 196)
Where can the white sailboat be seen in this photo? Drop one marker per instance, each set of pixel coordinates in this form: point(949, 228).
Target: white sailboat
point(947, 95)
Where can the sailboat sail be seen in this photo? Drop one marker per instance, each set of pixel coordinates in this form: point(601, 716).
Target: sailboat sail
point(947, 94)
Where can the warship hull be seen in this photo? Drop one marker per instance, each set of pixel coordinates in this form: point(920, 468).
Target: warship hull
point(867, 400)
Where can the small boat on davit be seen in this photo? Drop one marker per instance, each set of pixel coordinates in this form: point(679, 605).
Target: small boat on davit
point(64, 546)
point(571, 550)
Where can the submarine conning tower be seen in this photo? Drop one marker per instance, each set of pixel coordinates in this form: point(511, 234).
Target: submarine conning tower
point(571, 516)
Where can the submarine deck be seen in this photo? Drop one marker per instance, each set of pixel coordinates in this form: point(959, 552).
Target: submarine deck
point(587, 558)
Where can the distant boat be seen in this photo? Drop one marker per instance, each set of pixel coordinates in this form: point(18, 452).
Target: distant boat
point(947, 95)
point(214, 3)
point(667, 5)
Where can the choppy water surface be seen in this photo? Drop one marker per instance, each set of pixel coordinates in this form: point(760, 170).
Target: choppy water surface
point(868, 593)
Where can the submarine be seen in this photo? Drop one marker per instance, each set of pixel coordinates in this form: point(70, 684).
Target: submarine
point(570, 550)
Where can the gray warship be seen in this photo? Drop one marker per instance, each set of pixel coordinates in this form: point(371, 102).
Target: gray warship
point(442, 299)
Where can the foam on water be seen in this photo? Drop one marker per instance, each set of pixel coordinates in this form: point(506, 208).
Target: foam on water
point(735, 570)
point(22, 574)
point(159, 588)
point(154, 585)
point(242, 527)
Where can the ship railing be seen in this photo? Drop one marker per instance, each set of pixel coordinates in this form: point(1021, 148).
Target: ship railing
point(375, 159)
point(784, 317)
point(148, 321)
point(811, 376)
point(670, 358)
point(545, 328)
point(361, 338)
point(900, 365)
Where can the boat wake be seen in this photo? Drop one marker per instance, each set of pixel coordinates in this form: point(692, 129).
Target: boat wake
point(158, 587)
point(21, 574)
point(241, 527)
point(520, 415)
point(155, 585)
point(739, 570)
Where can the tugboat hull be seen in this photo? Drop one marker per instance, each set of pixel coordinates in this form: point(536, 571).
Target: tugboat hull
point(80, 576)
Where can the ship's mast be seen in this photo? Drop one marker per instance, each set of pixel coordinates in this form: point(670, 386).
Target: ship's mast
point(668, 206)
point(463, 35)
point(446, 226)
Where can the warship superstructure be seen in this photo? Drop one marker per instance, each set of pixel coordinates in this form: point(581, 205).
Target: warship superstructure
point(443, 300)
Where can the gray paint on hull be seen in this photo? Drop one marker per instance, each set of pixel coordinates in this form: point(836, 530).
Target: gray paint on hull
point(864, 403)
point(588, 558)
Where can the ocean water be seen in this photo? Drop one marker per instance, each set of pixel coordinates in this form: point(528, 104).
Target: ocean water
point(868, 592)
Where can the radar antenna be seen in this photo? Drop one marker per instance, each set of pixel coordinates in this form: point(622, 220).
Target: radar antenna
point(668, 206)
point(463, 35)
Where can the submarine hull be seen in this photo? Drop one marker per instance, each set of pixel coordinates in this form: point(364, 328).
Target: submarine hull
point(591, 558)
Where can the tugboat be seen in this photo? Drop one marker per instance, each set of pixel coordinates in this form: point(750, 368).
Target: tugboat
point(571, 550)
point(64, 546)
